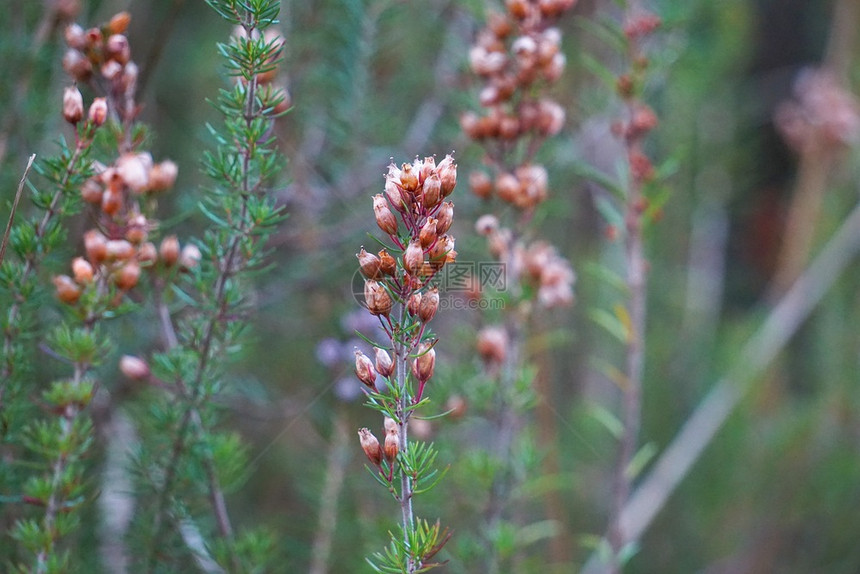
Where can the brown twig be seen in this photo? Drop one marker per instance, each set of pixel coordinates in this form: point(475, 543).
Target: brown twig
point(18, 194)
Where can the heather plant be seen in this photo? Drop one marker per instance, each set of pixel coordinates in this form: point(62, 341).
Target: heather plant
point(518, 57)
point(399, 290)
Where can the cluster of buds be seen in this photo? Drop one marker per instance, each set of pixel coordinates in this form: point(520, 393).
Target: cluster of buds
point(822, 116)
point(273, 95)
point(118, 263)
point(103, 54)
point(640, 119)
point(414, 214)
point(516, 50)
point(115, 188)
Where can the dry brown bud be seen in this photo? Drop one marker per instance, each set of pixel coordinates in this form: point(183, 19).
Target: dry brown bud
point(499, 24)
point(82, 270)
point(493, 344)
point(429, 305)
point(98, 111)
point(95, 246)
point(447, 170)
point(384, 364)
point(364, 370)
point(73, 105)
point(408, 178)
point(67, 290)
point(387, 263)
point(134, 368)
point(470, 123)
point(445, 216)
point(75, 37)
point(369, 264)
point(424, 363)
point(119, 250)
point(127, 276)
point(414, 304)
point(119, 23)
point(432, 191)
point(384, 218)
point(189, 257)
point(370, 446)
point(550, 117)
point(169, 250)
point(392, 447)
point(376, 297)
point(519, 9)
point(398, 198)
point(442, 248)
point(162, 176)
point(77, 65)
point(481, 184)
point(553, 70)
point(91, 191)
point(428, 233)
point(413, 257)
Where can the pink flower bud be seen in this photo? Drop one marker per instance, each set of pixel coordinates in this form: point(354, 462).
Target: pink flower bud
point(119, 250)
point(134, 170)
point(493, 345)
point(127, 276)
point(73, 105)
point(147, 253)
point(98, 111)
point(162, 176)
point(77, 65)
point(189, 257)
point(95, 245)
point(134, 368)
point(481, 184)
point(117, 48)
point(75, 37)
point(82, 270)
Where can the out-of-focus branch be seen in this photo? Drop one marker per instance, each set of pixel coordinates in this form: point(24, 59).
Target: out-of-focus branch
point(776, 331)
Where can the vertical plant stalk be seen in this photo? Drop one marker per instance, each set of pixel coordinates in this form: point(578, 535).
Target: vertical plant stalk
point(335, 472)
point(639, 121)
point(18, 193)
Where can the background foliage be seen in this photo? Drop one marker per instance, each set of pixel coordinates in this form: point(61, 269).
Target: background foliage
point(371, 79)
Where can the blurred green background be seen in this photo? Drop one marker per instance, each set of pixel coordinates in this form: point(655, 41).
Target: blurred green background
point(778, 488)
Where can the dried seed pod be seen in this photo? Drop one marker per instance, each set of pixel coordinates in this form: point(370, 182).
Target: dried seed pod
point(428, 233)
point(378, 300)
point(481, 184)
point(392, 447)
point(162, 176)
point(447, 170)
point(384, 218)
point(369, 264)
point(370, 446)
point(408, 178)
point(119, 250)
point(425, 363)
point(432, 191)
point(413, 258)
point(444, 218)
point(384, 364)
point(493, 344)
point(111, 201)
point(364, 370)
point(91, 191)
point(414, 304)
point(387, 263)
point(429, 305)
point(147, 253)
